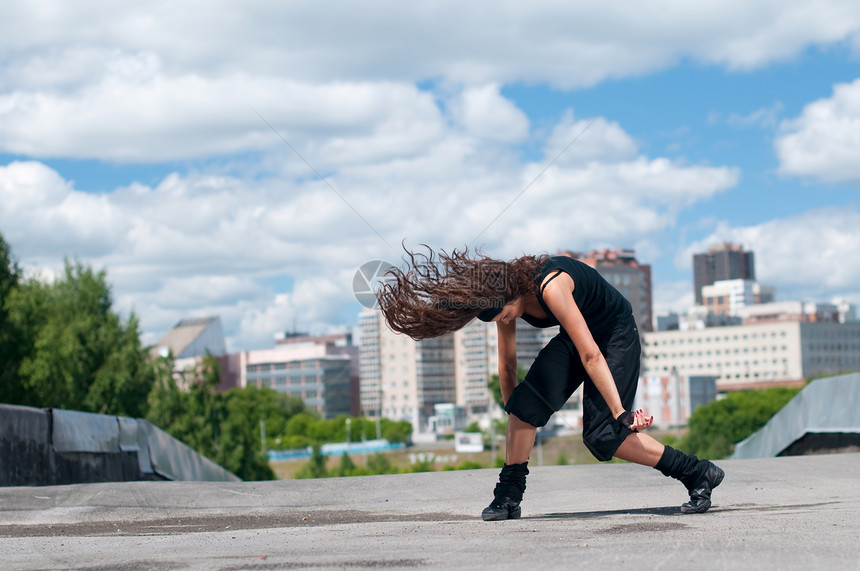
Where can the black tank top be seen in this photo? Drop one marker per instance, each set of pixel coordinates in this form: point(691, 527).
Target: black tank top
point(601, 305)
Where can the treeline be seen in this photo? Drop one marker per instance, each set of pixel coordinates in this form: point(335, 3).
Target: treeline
point(307, 429)
point(63, 346)
point(378, 463)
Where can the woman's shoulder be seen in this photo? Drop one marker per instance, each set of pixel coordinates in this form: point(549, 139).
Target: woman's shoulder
point(555, 263)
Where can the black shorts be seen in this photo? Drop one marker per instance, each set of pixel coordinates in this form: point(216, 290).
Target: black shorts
point(558, 371)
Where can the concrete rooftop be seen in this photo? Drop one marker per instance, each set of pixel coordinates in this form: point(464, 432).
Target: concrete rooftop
point(798, 512)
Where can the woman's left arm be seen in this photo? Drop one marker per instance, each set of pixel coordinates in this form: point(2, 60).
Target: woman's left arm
point(558, 297)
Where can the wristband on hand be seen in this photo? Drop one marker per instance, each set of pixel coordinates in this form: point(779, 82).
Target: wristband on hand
point(626, 419)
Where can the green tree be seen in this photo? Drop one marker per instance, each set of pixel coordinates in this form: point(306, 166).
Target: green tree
point(424, 464)
point(167, 403)
point(474, 427)
point(347, 467)
point(316, 466)
point(282, 408)
point(469, 465)
point(223, 427)
point(300, 425)
point(327, 430)
point(380, 464)
point(396, 431)
point(239, 446)
point(79, 355)
point(11, 339)
point(715, 428)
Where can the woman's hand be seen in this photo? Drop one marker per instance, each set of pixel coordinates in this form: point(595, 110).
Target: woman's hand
point(636, 421)
point(641, 422)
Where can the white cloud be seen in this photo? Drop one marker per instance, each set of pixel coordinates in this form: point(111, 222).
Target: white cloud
point(752, 34)
point(258, 325)
point(606, 203)
point(824, 141)
point(312, 306)
point(573, 142)
point(485, 114)
point(158, 118)
point(566, 44)
point(165, 81)
point(46, 214)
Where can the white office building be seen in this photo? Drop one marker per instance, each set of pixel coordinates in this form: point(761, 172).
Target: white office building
point(755, 355)
point(306, 370)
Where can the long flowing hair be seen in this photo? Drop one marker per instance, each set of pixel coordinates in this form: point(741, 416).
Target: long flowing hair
point(441, 292)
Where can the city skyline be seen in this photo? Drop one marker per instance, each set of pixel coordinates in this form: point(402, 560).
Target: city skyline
point(245, 161)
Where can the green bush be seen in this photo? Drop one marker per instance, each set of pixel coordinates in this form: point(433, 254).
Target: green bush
point(397, 432)
point(470, 465)
point(423, 466)
point(316, 466)
point(380, 464)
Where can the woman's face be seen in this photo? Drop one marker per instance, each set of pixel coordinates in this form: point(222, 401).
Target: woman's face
point(511, 311)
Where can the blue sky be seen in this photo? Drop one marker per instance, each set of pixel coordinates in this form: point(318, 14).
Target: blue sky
point(131, 139)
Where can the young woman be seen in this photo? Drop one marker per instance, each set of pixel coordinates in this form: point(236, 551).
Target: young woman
point(598, 346)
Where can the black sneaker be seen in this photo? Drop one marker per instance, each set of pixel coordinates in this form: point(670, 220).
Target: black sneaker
point(700, 493)
point(504, 508)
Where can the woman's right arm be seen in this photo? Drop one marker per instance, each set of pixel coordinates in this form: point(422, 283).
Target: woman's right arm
point(507, 336)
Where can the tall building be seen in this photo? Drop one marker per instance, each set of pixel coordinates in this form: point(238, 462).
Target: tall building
point(401, 378)
point(477, 358)
point(726, 261)
point(370, 324)
point(621, 269)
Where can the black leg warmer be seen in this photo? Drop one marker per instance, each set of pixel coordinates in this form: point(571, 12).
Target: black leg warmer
point(508, 493)
point(685, 468)
point(512, 482)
